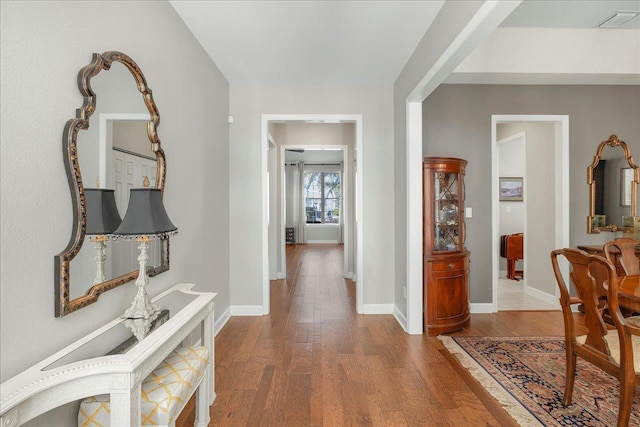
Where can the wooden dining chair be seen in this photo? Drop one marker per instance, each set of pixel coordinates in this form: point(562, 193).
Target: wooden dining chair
point(616, 351)
point(626, 248)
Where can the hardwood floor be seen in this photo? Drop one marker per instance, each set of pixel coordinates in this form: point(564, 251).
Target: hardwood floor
point(315, 362)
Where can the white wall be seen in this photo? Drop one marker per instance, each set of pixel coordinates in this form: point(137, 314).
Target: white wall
point(44, 45)
point(511, 158)
point(247, 104)
point(323, 233)
point(539, 187)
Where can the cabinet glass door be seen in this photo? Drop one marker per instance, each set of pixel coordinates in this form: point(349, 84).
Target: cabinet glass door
point(447, 211)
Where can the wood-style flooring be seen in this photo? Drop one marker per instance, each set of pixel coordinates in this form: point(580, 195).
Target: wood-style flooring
point(315, 362)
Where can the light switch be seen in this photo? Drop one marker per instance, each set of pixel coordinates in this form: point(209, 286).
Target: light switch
point(507, 209)
point(468, 212)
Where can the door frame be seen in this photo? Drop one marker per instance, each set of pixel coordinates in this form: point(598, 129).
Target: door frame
point(561, 205)
point(358, 275)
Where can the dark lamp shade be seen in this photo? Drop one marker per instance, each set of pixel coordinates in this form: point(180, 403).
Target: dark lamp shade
point(145, 215)
point(102, 212)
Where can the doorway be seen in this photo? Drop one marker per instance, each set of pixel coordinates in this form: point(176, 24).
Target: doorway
point(274, 208)
point(315, 197)
point(545, 202)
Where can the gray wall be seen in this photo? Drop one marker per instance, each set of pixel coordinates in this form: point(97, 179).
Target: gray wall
point(457, 122)
point(44, 45)
point(131, 135)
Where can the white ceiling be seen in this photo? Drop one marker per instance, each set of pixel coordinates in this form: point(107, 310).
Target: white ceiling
point(309, 41)
point(569, 14)
point(346, 41)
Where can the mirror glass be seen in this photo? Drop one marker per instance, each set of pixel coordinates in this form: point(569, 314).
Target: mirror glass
point(613, 177)
point(114, 151)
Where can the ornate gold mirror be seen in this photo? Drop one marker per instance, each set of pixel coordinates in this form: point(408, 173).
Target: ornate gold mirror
point(111, 143)
point(613, 184)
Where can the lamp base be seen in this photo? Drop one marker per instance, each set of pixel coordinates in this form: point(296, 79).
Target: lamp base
point(141, 306)
point(140, 316)
point(100, 257)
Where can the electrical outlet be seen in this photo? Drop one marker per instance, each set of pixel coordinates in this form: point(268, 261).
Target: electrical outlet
point(404, 292)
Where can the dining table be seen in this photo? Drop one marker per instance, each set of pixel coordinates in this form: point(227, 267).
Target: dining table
point(629, 292)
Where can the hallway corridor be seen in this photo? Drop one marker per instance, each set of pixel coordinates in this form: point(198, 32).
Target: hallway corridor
point(315, 362)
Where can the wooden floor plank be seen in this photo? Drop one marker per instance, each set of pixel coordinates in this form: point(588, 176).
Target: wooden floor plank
point(313, 361)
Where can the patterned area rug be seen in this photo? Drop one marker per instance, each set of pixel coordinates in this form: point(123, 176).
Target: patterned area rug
point(526, 375)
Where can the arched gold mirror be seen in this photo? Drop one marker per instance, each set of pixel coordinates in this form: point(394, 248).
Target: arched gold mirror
point(111, 143)
point(613, 185)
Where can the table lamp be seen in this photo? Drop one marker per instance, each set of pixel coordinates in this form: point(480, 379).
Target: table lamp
point(145, 220)
point(102, 219)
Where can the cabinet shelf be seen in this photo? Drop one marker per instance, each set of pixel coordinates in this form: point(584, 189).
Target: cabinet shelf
point(447, 199)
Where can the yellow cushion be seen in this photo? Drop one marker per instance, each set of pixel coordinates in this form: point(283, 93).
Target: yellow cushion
point(164, 391)
point(614, 347)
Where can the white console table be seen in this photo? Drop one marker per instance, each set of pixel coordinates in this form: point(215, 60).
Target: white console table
point(84, 369)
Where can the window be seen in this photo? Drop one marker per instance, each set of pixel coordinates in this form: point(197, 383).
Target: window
point(322, 197)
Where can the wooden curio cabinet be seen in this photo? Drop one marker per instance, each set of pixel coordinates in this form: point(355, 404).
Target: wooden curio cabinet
point(446, 260)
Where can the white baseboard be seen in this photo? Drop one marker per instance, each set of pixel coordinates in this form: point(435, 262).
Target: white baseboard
point(246, 310)
point(378, 308)
point(335, 242)
point(400, 318)
point(222, 320)
point(482, 307)
point(548, 298)
point(350, 275)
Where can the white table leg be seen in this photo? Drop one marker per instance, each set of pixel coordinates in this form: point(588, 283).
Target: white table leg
point(209, 342)
point(125, 402)
point(202, 406)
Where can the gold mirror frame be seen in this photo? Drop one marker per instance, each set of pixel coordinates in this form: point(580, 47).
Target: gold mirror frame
point(613, 141)
point(99, 62)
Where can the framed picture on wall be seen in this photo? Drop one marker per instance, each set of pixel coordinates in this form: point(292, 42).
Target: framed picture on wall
point(511, 189)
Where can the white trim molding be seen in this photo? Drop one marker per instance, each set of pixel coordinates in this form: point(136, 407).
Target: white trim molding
point(379, 309)
point(548, 298)
point(400, 318)
point(414, 286)
point(480, 307)
point(222, 320)
point(247, 310)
